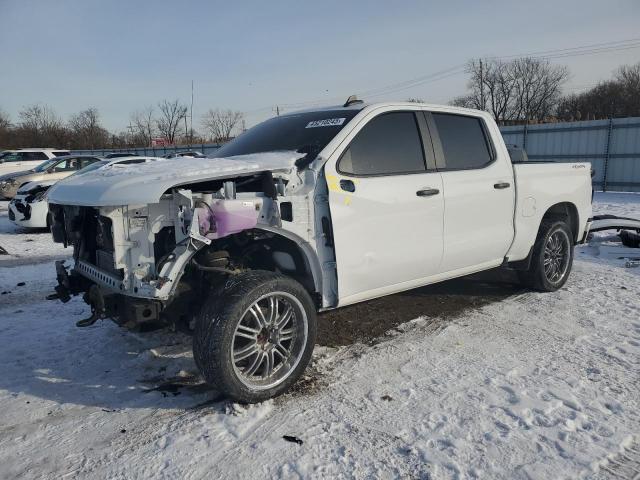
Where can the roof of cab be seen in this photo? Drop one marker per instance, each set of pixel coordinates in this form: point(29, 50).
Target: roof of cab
point(375, 105)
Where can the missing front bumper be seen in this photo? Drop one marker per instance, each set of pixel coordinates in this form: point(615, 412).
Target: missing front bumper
point(124, 310)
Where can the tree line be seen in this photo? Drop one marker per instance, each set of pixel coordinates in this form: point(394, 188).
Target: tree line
point(530, 90)
point(522, 90)
point(40, 126)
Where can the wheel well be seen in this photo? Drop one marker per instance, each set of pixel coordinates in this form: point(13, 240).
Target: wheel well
point(564, 211)
point(261, 250)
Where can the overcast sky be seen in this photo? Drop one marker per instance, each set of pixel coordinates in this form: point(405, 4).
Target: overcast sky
point(121, 55)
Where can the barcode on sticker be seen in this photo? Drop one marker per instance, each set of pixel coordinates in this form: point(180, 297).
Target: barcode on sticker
point(328, 122)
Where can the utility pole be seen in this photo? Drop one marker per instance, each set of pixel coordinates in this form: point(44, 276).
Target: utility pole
point(130, 132)
point(277, 110)
point(481, 86)
point(191, 137)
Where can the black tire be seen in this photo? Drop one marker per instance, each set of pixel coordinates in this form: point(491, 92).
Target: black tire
point(223, 320)
point(537, 277)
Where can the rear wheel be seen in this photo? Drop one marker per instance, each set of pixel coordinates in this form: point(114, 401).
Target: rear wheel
point(255, 339)
point(552, 257)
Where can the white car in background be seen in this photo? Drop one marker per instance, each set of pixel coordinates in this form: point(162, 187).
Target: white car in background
point(29, 208)
point(12, 161)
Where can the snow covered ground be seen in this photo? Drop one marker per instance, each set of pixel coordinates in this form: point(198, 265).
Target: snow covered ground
point(531, 386)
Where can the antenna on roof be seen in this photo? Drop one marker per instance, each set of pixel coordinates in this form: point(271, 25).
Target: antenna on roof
point(352, 100)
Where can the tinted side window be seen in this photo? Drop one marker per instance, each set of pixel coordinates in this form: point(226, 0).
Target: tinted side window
point(13, 157)
point(463, 141)
point(387, 144)
point(35, 156)
point(59, 154)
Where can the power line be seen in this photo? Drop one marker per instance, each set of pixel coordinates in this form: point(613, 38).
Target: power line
point(592, 45)
point(589, 49)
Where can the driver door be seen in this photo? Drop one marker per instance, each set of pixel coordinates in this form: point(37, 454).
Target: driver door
point(386, 208)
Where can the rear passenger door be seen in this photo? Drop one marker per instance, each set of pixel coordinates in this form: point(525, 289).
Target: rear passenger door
point(479, 194)
point(386, 207)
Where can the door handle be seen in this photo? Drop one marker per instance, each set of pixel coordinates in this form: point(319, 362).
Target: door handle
point(501, 185)
point(427, 192)
point(347, 185)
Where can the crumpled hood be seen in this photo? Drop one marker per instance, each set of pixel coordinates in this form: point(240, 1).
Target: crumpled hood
point(144, 183)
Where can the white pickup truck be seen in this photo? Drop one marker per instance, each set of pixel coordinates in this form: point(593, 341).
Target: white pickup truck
point(307, 212)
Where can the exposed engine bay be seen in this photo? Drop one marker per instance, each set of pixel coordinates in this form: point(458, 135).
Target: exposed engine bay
point(142, 263)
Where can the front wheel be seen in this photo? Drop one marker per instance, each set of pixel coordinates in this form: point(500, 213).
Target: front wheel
point(552, 257)
point(254, 339)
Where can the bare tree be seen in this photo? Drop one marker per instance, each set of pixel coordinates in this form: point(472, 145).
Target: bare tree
point(5, 129)
point(521, 89)
point(628, 76)
point(219, 124)
point(618, 97)
point(5, 120)
point(39, 127)
point(170, 115)
point(85, 130)
point(491, 87)
point(538, 87)
point(143, 123)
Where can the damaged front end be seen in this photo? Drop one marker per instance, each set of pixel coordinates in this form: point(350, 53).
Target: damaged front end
point(150, 263)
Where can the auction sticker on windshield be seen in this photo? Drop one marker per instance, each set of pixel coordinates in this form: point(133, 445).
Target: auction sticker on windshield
point(328, 122)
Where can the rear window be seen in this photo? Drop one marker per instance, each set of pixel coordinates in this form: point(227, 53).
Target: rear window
point(132, 161)
point(309, 132)
point(93, 166)
point(119, 155)
point(463, 140)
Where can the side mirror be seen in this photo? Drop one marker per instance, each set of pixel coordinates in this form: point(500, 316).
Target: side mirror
point(304, 162)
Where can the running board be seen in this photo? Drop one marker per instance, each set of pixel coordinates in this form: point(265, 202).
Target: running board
point(613, 222)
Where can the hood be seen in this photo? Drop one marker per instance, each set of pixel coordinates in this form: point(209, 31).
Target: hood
point(35, 186)
point(145, 183)
point(14, 174)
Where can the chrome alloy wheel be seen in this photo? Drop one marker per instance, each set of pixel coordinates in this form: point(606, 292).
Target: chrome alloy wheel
point(269, 340)
point(557, 253)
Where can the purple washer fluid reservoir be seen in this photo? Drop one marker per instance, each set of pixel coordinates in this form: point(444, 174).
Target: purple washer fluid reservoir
point(229, 217)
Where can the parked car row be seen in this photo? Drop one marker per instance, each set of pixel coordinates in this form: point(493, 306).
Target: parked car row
point(27, 189)
point(26, 158)
point(29, 208)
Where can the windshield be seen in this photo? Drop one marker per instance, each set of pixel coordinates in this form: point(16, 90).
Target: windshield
point(310, 131)
point(46, 165)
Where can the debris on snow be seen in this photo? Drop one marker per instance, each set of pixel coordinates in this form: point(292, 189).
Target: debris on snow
point(292, 439)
